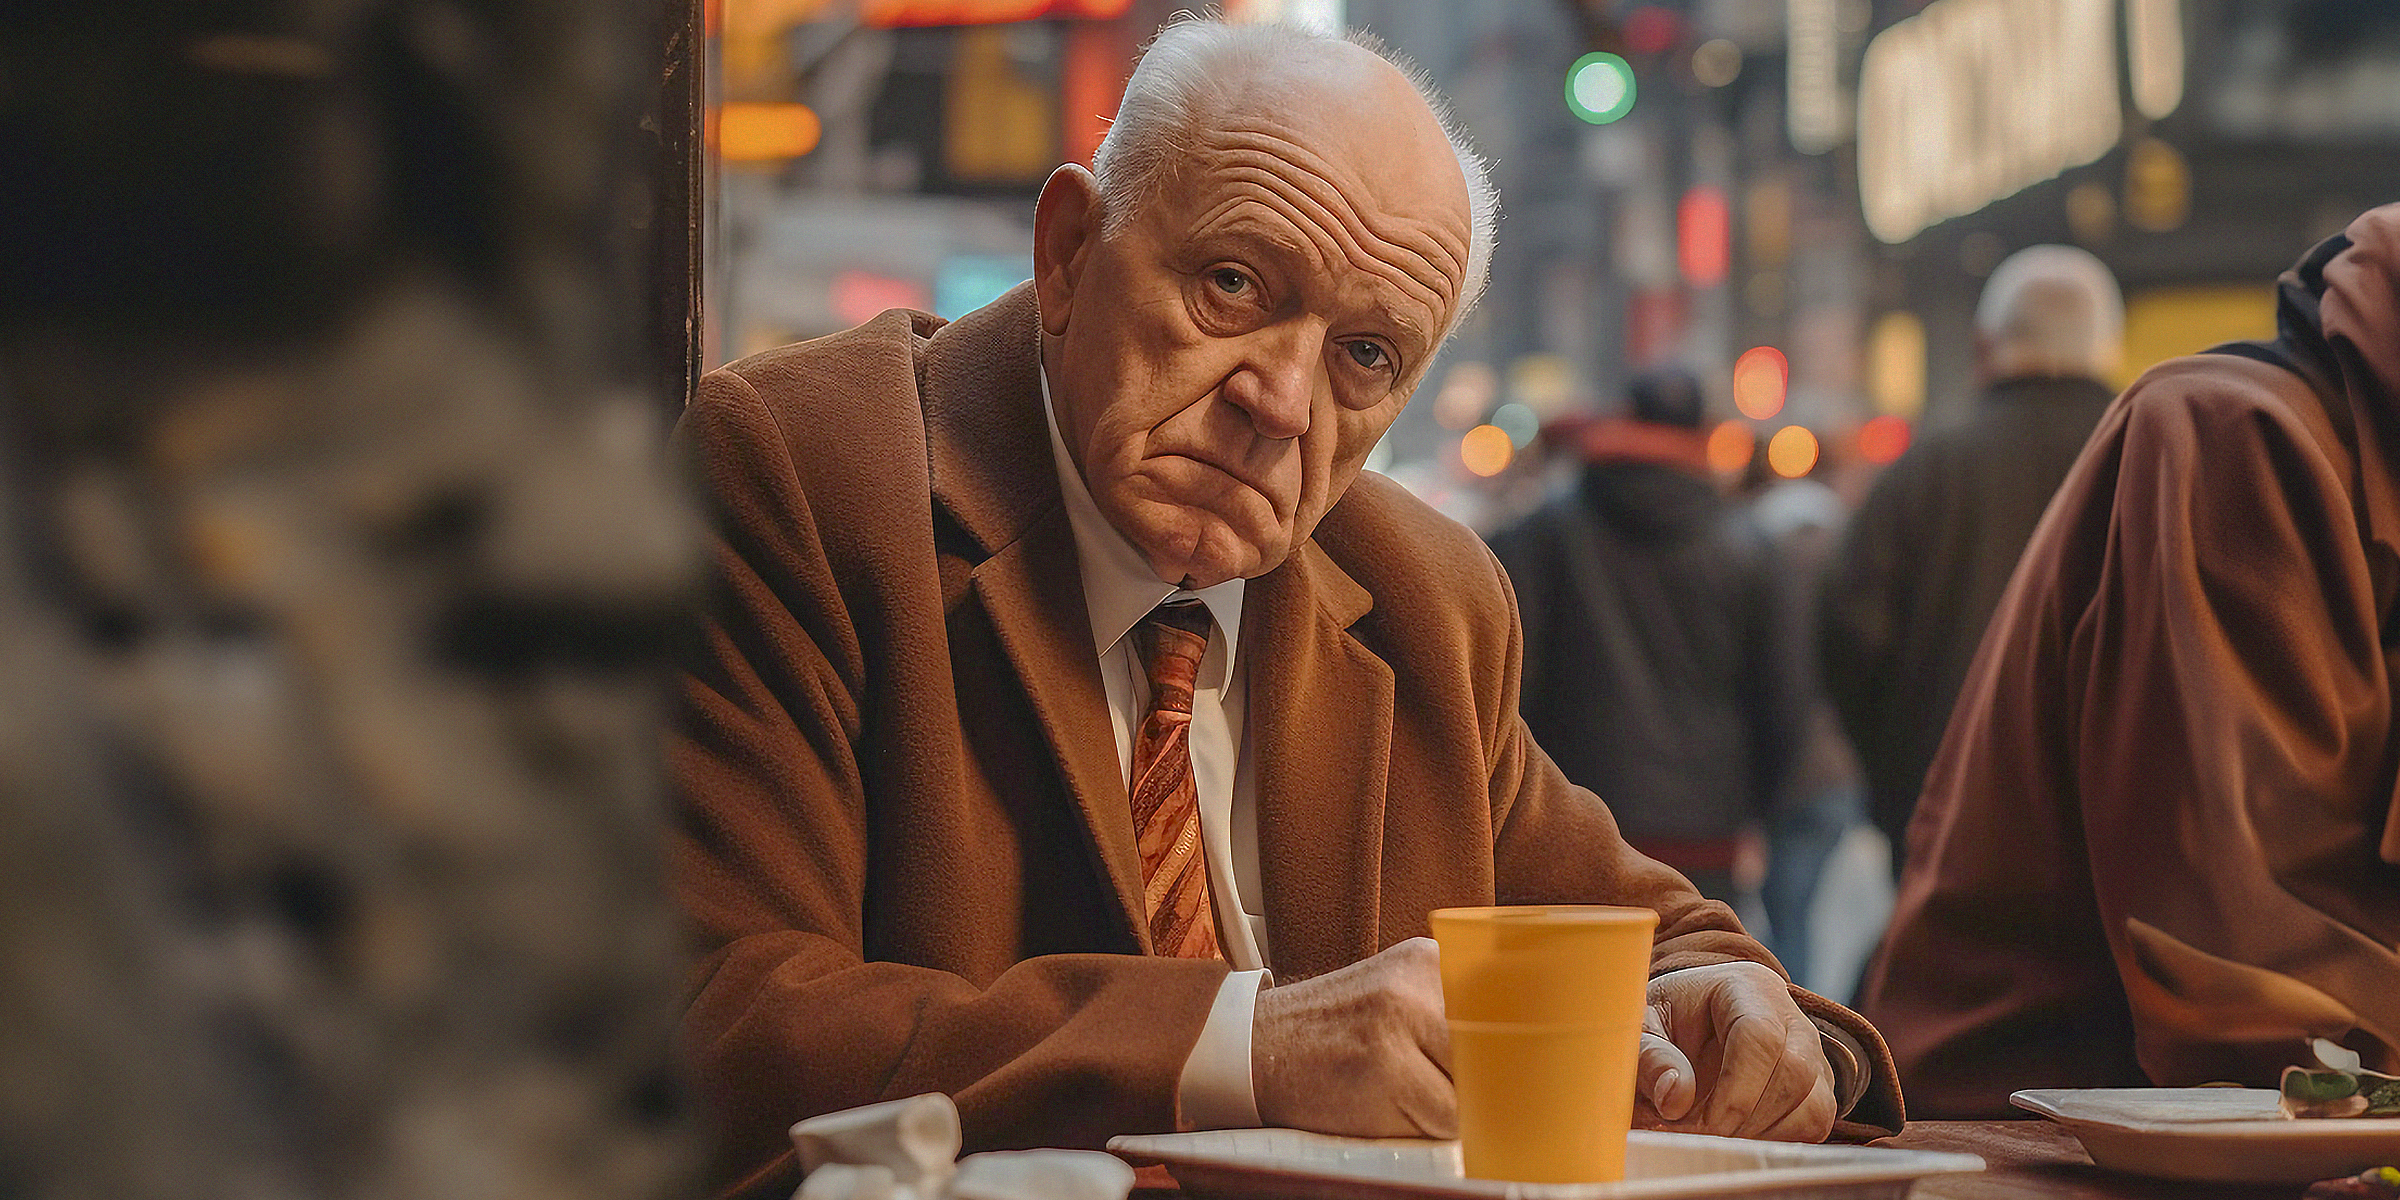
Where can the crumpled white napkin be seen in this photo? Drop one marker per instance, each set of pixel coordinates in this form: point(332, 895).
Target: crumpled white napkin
point(908, 1150)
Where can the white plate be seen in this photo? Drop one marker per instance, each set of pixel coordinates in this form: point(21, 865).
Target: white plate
point(2215, 1135)
point(1286, 1164)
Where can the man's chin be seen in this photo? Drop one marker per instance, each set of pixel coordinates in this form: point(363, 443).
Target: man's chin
point(1211, 555)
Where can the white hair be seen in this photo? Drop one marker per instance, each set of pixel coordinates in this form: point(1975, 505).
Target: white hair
point(1184, 71)
point(2051, 310)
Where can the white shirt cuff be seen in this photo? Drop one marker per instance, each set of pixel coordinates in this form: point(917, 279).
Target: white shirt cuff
point(1214, 1092)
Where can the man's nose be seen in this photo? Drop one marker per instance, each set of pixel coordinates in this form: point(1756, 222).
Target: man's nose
point(1276, 382)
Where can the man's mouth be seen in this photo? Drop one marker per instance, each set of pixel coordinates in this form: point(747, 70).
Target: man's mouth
point(1237, 475)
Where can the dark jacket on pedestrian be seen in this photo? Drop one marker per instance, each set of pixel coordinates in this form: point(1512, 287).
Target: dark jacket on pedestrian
point(1657, 671)
point(1923, 566)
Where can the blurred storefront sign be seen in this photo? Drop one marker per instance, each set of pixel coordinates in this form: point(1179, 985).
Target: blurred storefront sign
point(2158, 186)
point(1654, 323)
point(966, 282)
point(2165, 323)
point(1704, 236)
point(1812, 76)
point(1328, 15)
point(889, 13)
point(2154, 55)
point(752, 131)
point(1973, 100)
point(1000, 122)
point(858, 296)
point(1896, 365)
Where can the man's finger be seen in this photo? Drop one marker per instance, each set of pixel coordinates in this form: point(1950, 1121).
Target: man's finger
point(1809, 1121)
point(1663, 1076)
point(1426, 1099)
point(1433, 1037)
point(1804, 1074)
point(1754, 1055)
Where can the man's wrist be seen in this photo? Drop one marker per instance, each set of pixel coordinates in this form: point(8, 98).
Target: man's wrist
point(1215, 1090)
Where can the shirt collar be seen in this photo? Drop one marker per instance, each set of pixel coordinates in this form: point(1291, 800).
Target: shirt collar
point(1119, 588)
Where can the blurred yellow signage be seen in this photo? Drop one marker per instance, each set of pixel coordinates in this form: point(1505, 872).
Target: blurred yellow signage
point(752, 131)
point(2170, 322)
point(1000, 126)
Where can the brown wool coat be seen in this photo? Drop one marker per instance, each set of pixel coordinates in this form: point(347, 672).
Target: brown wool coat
point(2159, 842)
point(905, 839)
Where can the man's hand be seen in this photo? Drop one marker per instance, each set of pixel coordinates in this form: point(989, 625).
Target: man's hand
point(1725, 1051)
point(1362, 1051)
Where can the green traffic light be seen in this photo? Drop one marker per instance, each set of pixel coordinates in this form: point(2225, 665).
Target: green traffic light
point(1600, 87)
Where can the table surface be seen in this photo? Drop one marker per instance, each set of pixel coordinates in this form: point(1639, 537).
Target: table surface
point(2023, 1160)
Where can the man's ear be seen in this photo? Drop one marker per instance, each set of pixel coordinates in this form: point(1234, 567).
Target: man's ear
point(1066, 224)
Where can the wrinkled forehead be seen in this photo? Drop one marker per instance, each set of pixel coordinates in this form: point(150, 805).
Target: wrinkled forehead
point(1336, 148)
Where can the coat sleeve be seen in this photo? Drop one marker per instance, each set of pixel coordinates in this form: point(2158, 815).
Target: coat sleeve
point(1556, 843)
point(2232, 735)
point(787, 1017)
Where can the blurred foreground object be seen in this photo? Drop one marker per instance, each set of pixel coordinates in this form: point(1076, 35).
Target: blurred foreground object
point(336, 561)
point(2158, 843)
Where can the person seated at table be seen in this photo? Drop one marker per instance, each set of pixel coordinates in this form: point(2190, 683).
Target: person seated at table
point(1064, 672)
point(2161, 841)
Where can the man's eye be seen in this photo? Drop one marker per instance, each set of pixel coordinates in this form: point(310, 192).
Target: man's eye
point(1368, 355)
point(1230, 281)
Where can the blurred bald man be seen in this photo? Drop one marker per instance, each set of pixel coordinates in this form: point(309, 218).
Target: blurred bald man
point(1908, 594)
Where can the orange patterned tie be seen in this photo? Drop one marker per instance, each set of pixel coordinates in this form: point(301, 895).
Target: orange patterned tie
point(1166, 805)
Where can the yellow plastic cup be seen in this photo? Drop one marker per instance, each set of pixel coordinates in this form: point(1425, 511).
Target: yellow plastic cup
point(1545, 1009)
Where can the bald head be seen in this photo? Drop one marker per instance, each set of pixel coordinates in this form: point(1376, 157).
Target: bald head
point(2051, 310)
point(1201, 75)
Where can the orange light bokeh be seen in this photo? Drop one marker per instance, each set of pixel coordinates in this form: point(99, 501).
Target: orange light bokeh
point(1486, 450)
point(1760, 376)
point(1730, 446)
point(756, 131)
point(1792, 451)
point(1883, 439)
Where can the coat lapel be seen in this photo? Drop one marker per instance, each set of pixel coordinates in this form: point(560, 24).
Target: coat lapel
point(992, 471)
point(1320, 715)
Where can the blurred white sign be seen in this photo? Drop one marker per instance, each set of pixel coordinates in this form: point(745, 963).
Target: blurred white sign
point(1973, 100)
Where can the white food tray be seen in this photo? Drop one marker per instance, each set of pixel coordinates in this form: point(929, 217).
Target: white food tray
point(1286, 1164)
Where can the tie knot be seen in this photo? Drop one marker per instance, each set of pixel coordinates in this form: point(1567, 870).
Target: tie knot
point(1172, 640)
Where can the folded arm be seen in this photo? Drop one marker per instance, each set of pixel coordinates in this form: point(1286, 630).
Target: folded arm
point(2232, 741)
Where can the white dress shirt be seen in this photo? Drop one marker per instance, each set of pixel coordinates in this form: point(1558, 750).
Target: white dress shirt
point(1119, 589)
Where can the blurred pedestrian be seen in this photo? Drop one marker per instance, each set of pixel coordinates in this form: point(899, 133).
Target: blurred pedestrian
point(1924, 562)
point(2159, 843)
point(1657, 670)
point(1822, 798)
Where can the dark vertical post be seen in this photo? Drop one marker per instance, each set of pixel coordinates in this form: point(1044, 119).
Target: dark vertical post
point(338, 569)
point(674, 125)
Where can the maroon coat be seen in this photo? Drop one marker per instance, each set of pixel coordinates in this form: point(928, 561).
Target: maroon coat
point(2159, 842)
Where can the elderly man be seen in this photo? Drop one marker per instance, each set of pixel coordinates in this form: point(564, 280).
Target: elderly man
point(2161, 842)
point(1065, 673)
point(1921, 569)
